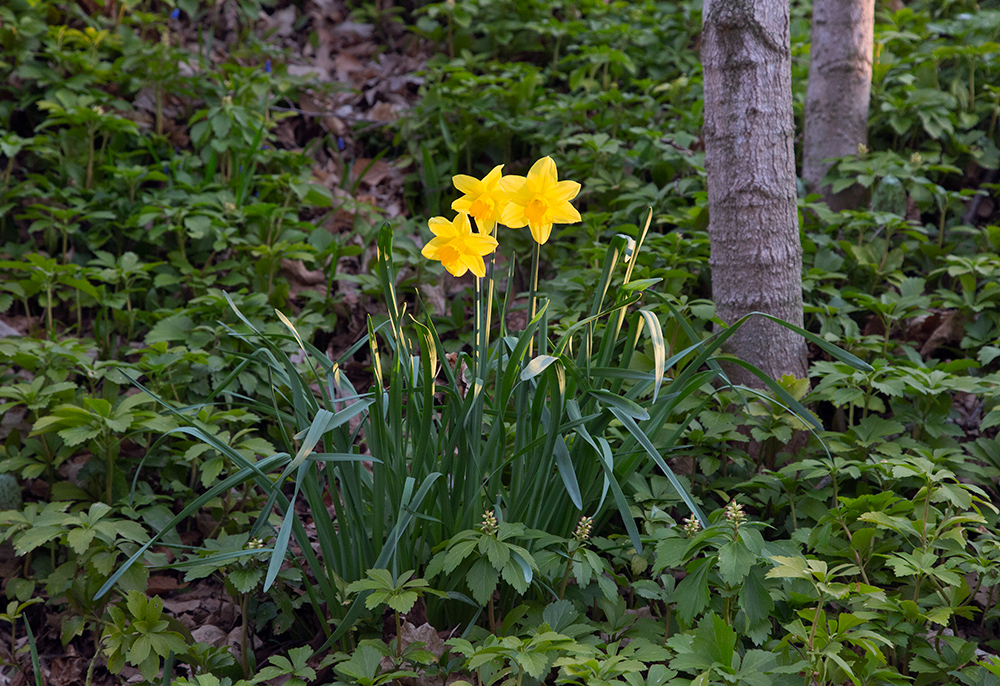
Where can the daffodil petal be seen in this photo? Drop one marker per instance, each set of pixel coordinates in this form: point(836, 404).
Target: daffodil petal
point(512, 184)
point(430, 251)
point(513, 216)
point(564, 191)
point(441, 227)
point(481, 244)
point(541, 233)
point(462, 225)
point(475, 264)
point(543, 170)
point(463, 204)
point(564, 214)
point(469, 185)
point(457, 268)
point(491, 179)
point(485, 226)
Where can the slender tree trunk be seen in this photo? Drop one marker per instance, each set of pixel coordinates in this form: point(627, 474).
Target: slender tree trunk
point(749, 156)
point(839, 91)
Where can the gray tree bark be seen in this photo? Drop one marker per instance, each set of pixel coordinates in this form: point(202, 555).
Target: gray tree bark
point(753, 224)
point(839, 91)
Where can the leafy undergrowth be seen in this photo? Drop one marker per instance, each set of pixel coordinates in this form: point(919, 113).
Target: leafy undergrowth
point(248, 434)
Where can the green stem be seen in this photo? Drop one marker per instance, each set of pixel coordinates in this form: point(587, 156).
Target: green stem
point(90, 159)
point(48, 311)
point(488, 307)
point(10, 168)
point(493, 619)
point(972, 85)
point(110, 462)
point(812, 632)
point(927, 507)
point(399, 638)
point(478, 362)
point(451, 36)
point(533, 292)
point(244, 631)
point(857, 555)
point(565, 578)
point(180, 241)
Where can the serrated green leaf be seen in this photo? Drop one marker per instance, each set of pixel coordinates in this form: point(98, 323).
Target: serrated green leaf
point(789, 568)
point(79, 434)
point(245, 580)
point(735, 561)
point(403, 602)
point(482, 580)
point(79, 539)
point(456, 553)
point(692, 593)
point(496, 552)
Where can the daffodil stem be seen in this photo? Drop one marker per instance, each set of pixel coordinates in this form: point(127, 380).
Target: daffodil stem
point(480, 355)
point(489, 295)
point(479, 361)
point(533, 292)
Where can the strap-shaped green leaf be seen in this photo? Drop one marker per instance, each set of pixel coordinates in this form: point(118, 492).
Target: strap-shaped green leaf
point(408, 506)
point(659, 350)
point(285, 533)
point(536, 366)
point(607, 461)
point(647, 445)
point(620, 403)
point(564, 464)
point(192, 507)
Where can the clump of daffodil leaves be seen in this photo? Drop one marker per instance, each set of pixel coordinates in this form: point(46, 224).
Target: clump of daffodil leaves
point(537, 201)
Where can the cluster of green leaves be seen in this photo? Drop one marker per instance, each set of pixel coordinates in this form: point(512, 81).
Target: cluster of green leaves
point(134, 193)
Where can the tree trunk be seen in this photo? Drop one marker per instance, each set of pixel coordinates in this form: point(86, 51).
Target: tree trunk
point(839, 91)
point(749, 156)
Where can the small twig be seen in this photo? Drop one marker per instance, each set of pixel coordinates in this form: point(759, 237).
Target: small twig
point(973, 209)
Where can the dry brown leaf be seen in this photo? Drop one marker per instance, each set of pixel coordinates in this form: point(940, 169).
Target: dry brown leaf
point(159, 584)
point(210, 634)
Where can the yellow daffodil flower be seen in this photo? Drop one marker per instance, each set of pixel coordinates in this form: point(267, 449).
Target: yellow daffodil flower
point(539, 200)
point(484, 200)
point(456, 247)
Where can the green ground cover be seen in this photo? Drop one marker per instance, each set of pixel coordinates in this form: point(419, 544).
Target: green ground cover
point(240, 398)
